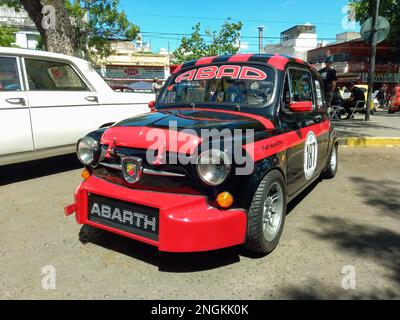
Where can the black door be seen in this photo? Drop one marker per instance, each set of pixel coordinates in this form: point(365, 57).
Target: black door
point(305, 153)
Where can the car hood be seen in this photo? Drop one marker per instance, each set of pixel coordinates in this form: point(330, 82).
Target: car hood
point(151, 130)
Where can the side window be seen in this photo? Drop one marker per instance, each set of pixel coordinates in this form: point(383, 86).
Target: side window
point(52, 76)
point(9, 77)
point(301, 85)
point(298, 87)
point(319, 94)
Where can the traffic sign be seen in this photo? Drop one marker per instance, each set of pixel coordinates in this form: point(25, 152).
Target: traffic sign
point(383, 29)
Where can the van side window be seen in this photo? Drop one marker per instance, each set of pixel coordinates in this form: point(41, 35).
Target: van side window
point(9, 77)
point(52, 76)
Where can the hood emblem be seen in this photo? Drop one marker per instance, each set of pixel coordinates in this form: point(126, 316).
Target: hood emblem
point(132, 169)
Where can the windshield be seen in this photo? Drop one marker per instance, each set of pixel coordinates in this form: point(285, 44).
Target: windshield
point(243, 85)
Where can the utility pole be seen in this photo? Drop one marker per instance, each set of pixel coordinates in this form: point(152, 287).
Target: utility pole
point(260, 39)
point(374, 40)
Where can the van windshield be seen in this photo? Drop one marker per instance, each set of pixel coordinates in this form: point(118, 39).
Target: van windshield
point(243, 85)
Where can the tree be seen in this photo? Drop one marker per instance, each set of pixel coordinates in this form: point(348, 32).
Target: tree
point(390, 9)
point(78, 27)
point(225, 41)
point(7, 37)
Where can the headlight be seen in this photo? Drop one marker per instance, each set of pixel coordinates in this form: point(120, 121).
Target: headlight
point(213, 167)
point(87, 150)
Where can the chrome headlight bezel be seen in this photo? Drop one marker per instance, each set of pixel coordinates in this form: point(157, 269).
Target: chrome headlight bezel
point(87, 150)
point(223, 168)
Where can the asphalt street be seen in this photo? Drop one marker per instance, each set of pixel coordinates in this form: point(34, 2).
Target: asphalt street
point(349, 224)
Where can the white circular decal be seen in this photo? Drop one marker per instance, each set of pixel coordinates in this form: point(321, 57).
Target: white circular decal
point(310, 155)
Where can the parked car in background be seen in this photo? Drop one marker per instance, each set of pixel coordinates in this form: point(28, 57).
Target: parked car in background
point(122, 89)
point(394, 102)
point(48, 101)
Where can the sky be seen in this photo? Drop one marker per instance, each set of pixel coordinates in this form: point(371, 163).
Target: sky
point(163, 21)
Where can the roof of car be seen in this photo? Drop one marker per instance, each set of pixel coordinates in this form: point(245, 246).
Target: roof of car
point(277, 61)
point(36, 53)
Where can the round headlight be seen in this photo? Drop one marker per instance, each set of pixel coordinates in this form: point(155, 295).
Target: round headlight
point(86, 150)
point(213, 167)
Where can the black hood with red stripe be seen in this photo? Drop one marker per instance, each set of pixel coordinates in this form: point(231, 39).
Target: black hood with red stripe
point(197, 120)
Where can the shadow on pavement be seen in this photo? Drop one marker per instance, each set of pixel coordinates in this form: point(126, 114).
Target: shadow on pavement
point(296, 201)
point(379, 245)
point(383, 194)
point(39, 168)
point(166, 262)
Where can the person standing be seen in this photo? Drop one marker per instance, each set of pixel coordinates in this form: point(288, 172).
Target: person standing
point(381, 96)
point(157, 85)
point(328, 74)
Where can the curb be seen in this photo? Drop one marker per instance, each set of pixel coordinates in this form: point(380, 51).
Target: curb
point(370, 142)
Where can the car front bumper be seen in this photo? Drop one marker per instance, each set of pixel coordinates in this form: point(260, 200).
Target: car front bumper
point(187, 223)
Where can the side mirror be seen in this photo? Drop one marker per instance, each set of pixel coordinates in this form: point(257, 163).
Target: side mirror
point(303, 106)
point(152, 106)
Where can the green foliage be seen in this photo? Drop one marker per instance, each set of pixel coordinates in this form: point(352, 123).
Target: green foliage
point(98, 21)
point(390, 9)
point(7, 37)
point(224, 41)
point(11, 3)
point(94, 23)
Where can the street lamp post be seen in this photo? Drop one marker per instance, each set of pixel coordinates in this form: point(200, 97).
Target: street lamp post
point(371, 77)
point(260, 38)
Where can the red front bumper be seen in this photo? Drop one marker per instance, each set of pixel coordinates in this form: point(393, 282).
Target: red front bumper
point(187, 223)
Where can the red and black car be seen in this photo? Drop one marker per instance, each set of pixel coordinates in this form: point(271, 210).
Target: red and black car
point(230, 142)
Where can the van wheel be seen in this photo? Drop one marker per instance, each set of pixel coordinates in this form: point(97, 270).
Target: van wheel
point(267, 214)
point(331, 167)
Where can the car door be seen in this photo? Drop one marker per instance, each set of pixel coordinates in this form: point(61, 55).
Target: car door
point(63, 105)
point(304, 151)
point(321, 117)
point(15, 123)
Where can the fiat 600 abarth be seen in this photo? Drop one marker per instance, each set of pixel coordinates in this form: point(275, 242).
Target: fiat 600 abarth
point(230, 141)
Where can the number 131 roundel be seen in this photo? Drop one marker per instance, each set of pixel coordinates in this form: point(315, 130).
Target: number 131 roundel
point(224, 71)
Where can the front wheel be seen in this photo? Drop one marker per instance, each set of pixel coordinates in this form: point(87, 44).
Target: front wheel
point(267, 214)
point(331, 168)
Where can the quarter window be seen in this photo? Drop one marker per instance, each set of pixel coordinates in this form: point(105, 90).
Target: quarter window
point(318, 89)
point(9, 77)
point(52, 76)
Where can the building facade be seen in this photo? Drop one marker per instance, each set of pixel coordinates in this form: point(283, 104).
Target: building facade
point(296, 41)
point(352, 61)
point(130, 66)
point(26, 36)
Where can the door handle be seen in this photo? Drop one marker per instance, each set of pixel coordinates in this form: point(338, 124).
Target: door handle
point(20, 101)
point(92, 99)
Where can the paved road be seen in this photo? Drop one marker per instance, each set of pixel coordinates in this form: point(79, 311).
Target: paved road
point(350, 221)
point(381, 125)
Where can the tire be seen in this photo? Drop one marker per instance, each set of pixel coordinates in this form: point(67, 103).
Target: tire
point(267, 214)
point(332, 165)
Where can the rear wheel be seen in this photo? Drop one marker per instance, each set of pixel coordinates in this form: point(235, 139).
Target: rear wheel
point(267, 214)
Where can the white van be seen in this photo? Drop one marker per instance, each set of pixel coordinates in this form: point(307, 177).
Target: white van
point(48, 101)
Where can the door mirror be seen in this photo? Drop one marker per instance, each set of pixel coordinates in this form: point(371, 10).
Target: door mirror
point(152, 106)
point(303, 106)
